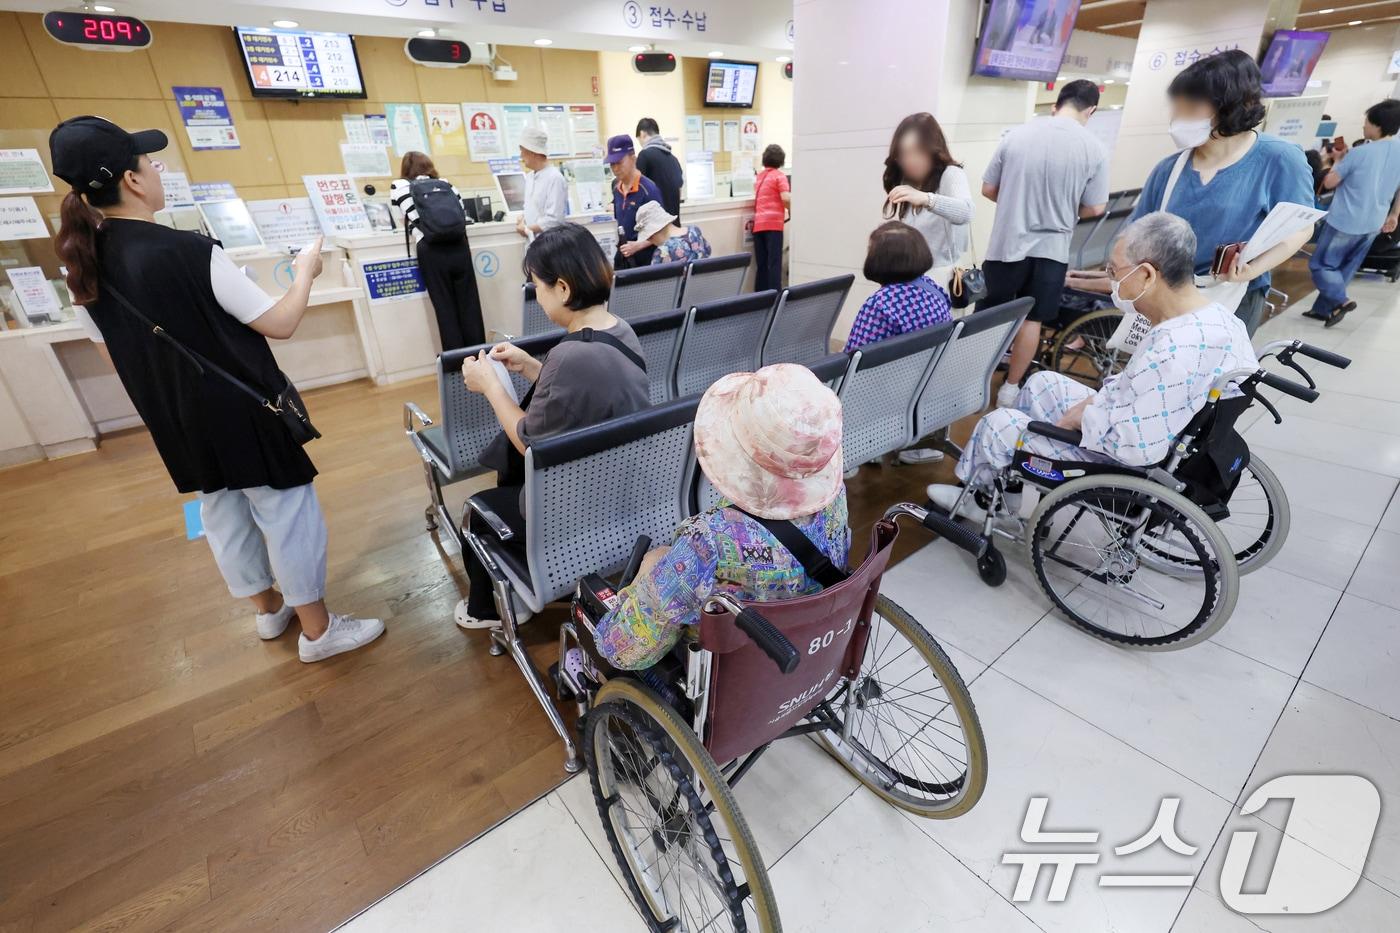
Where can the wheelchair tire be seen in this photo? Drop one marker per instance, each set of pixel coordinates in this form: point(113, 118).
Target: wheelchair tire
point(675, 785)
point(991, 567)
point(1095, 361)
point(1259, 517)
point(1110, 499)
point(938, 795)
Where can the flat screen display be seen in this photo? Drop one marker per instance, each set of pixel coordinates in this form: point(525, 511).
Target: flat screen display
point(297, 63)
point(1025, 39)
point(1290, 60)
point(512, 188)
point(730, 84)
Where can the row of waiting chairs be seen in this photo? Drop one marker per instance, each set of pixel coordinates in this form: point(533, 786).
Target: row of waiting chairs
point(648, 289)
point(1092, 238)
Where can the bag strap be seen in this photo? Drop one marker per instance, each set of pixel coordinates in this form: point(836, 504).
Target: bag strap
point(589, 335)
point(1177, 169)
point(200, 362)
point(817, 565)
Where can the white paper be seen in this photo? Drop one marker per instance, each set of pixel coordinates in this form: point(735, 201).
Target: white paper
point(406, 125)
point(177, 190)
point(22, 172)
point(751, 134)
point(554, 118)
point(20, 220)
point(514, 118)
point(700, 177)
point(203, 136)
point(365, 160)
point(36, 294)
point(377, 125)
point(710, 134)
point(588, 186)
point(485, 134)
point(1282, 222)
point(337, 205)
point(356, 129)
point(583, 128)
point(731, 135)
point(694, 132)
point(285, 222)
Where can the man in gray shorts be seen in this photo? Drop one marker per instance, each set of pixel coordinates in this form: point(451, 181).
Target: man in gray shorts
point(1044, 176)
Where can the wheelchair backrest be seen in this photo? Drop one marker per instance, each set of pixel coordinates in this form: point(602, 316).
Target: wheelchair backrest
point(533, 319)
point(1219, 454)
point(751, 701)
point(659, 335)
point(720, 338)
point(646, 289)
point(590, 493)
point(803, 321)
point(961, 381)
point(879, 391)
point(714, 278)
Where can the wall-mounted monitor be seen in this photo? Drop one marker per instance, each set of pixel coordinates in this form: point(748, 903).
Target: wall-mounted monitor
point(1025, 39)
point(1290, 60)
point(295, 63)
point(730, 84)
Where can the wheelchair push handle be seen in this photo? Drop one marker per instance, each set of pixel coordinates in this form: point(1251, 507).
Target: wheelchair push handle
point(1323, 356)
point(1288, 387)
point(773, 642)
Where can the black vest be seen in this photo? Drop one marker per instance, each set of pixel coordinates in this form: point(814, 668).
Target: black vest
point(210, 435)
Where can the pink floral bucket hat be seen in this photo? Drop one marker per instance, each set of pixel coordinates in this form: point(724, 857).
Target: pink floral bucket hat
point(770, 441)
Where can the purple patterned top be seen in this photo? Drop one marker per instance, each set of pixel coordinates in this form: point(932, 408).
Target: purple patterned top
point(687, 248)
point(899, 309)
point(718, 550)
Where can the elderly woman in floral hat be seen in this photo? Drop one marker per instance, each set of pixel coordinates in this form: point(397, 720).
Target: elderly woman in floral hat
point(770, 443)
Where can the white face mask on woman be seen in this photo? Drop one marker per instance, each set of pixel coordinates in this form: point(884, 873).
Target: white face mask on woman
point(1127, 305)
point(1188, 134)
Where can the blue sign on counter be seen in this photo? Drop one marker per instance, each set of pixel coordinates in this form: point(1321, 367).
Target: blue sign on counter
point(392, 279)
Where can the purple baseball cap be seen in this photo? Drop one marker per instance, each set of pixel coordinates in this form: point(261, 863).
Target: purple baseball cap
point(619, 148)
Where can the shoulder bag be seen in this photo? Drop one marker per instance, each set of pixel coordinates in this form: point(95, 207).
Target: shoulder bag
point(969, 285)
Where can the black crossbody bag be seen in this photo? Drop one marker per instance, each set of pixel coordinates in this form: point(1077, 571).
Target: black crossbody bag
point(286, 405)
point(816, 564)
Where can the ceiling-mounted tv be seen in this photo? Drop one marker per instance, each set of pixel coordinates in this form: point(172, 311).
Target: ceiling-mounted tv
point(1025, 39)
point(297, 64)
point(730, 84)
point(1290, 60)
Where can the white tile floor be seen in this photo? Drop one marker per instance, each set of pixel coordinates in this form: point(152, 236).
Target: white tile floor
point(1304, 679)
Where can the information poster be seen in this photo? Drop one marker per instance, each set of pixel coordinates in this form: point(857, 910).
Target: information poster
point(377, 125)
point(406, 127)
point(356, 129)
point(177, 190)
point(285, 222)
point(207, 120)
point(20, 220)
point(445, 132)
point(588, 186)
point(389, 280)
point(230, 223)
point(583, 128)
point(694, 132)
point(37, 297)
point(514, 118)
point(365, 160)
point(710, 135)
point(213, 191)
point(485, 136)
point(750, 134)
point(337, 206)
point(554, 118)
point(699, 176)
point(23, 172)
point(731, 135)
point(1295, 119)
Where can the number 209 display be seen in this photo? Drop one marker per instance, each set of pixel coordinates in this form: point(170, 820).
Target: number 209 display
point(98, 30)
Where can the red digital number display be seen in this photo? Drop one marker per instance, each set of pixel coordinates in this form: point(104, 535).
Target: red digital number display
point(438, 51)
point(97, 30)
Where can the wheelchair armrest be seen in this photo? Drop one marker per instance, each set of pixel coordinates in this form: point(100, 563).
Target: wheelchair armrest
point(412, 412)
point(487, 515)
point(1071, 436)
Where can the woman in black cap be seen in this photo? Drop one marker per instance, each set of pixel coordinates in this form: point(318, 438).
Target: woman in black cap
point(182, 326)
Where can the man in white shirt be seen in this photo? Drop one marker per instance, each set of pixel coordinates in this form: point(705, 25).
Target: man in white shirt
point(546, 192)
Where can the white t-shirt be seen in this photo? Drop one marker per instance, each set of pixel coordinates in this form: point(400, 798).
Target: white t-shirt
point(401, 194)
point(546, 198)
point(237, 294)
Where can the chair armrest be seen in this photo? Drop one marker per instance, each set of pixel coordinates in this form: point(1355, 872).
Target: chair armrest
point(487, 515)
point(411, 411)
point(1055, 432)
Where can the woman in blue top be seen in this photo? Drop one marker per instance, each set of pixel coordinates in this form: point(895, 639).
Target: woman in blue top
point(673, 242)
point(1225, 180)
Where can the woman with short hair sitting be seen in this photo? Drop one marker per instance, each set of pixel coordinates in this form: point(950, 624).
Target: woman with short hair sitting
point(673, 242)
point(596, 372)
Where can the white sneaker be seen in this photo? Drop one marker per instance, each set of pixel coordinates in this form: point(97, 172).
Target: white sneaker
point(272, 624)
point(850, 474)
point(1006, 395)
point(468, 622)
point(916, 455)
point(345, 633)
point(945, 497)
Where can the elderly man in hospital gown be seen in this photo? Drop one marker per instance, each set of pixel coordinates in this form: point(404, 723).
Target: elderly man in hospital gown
point(1138, 413)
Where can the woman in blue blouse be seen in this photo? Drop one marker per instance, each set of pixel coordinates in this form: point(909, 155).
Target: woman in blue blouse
point(673, 242)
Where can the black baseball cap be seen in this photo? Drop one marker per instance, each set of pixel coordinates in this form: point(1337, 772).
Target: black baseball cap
point(89, 152)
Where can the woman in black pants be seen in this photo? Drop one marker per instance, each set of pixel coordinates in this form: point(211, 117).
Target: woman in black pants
point(445, 265)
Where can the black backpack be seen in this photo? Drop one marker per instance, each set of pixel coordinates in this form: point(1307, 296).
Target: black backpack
point(441, 218)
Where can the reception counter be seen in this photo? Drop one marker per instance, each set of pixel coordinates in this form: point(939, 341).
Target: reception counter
point(58, 395)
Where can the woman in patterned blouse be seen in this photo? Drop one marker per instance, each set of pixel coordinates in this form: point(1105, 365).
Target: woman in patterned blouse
point(673, 242)
point(907, 299)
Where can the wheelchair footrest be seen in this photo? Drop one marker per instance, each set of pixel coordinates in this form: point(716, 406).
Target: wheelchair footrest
point(941, 524)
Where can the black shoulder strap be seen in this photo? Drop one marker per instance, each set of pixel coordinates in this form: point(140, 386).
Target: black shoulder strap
point(818, 566)
point(588, 335)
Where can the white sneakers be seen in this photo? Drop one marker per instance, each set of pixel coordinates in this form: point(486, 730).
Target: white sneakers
point(272, 624)
point(468, 622)
point(345, 633)
point(1006, 395)
point(945, 497)
point(917, 455)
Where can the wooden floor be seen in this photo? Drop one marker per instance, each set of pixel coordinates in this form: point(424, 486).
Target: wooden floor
point(163, 769)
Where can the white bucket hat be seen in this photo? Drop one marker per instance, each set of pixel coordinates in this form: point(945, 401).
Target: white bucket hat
point(652, 217)
point(535, 139)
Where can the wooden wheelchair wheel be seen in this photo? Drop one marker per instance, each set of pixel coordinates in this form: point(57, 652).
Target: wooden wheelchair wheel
point(686, 852)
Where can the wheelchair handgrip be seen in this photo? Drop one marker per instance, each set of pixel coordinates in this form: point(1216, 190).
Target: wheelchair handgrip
point(1054, 431)
point(1288, 387)
point(1323, 356)
point(773, 642)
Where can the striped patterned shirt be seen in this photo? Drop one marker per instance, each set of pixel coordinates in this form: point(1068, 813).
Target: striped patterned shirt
point(401, 194)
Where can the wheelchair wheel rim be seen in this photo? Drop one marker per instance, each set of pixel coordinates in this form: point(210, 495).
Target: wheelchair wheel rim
point(1094, 361)
point(1258, 519)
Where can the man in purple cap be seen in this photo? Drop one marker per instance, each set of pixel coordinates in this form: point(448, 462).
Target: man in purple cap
point(631, 191)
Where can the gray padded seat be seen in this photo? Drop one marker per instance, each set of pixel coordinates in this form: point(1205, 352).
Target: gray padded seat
point(714, 278)
point(720, 338)
point(961, 381)
point(659, 335)
point(803, 321)
point(646, 289)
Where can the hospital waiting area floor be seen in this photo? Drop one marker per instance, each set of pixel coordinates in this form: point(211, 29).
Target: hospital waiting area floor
point(162, 769)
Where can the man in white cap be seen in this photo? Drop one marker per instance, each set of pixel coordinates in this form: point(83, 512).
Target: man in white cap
point(546, 192)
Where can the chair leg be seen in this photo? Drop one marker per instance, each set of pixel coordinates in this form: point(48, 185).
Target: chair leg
point(436, 513)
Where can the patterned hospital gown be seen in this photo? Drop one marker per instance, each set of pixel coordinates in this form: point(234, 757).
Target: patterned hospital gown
point(719, 550)
point(1135, 417)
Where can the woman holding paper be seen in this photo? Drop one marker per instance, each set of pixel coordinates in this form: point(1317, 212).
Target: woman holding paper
point(1224, 182)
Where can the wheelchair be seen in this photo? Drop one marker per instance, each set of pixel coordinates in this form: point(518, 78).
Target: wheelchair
point(665, 747)
point(1148, 557)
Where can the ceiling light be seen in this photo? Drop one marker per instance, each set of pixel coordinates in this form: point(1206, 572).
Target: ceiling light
point(637, 48)
point(716, 54)
point(784, 58)
point(427, 33)
point(1325, 12)
point(543, 42)
point(1108, 81)
point(100, 8)
point(285, 23)
point(1355, 22)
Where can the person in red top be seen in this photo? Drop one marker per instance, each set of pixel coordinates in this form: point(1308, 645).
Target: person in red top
point(771, 196)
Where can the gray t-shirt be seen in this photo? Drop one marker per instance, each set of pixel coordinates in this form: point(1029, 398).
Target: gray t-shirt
point(584, 382)
point(1044, 171)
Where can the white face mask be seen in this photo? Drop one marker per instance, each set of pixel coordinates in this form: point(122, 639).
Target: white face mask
point(1188, 134)
point(1126, 305)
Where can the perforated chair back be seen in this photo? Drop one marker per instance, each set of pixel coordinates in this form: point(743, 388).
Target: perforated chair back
point(712, 279)
point(660, 335)
point(803, 321)
point(961, 381)
point(1094, 253)
point(720, 338)
point(1080, 235)
point(590, 493)
point(879, 391)
point(533, 319)
point(831, 370)
point(646, 290)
